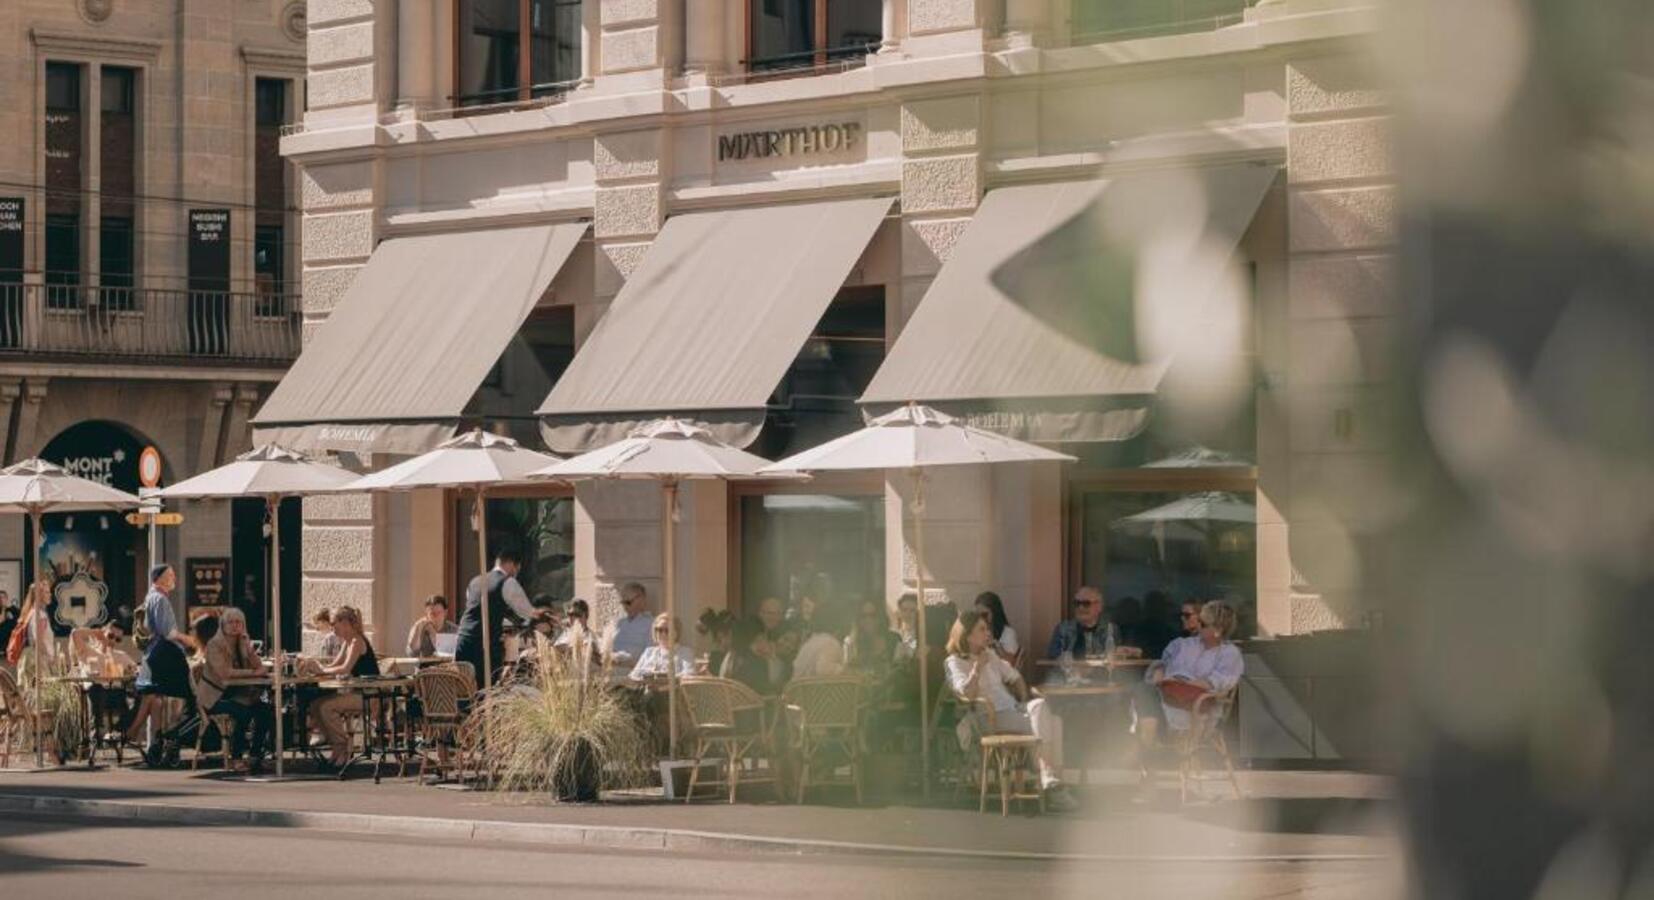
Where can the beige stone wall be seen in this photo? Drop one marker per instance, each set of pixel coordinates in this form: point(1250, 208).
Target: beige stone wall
point(1341, 316)
point(955, 106)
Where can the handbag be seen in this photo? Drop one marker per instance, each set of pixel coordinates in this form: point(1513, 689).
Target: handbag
point(1180, 694)
point(14, 644)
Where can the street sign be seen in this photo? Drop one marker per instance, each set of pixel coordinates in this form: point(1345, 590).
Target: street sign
point(149, 467)
point(166, 518)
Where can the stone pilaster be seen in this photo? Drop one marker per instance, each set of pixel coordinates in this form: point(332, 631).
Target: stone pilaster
point(351, 50)
point(26, 442)
point(212, 426)
point(941, 185)
point(1341, 317)
point(338, 558)
point(945, 27)
point(641, 43)
point(11, 389)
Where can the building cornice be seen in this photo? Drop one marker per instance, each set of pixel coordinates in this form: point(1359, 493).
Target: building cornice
point(285, 61)
point(96, 46)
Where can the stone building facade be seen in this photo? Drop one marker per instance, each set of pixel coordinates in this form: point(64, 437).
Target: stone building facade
point(949, 100)
point(147, 292)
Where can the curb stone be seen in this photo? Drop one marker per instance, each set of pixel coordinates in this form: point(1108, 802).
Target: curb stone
point(607, 837)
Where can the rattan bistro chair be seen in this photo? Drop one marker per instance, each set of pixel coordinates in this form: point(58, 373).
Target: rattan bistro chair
point(823, 717)
point(726, 717)
point(1205, 733)
point(439, 689)
point(1009, 762)
point(17, 717)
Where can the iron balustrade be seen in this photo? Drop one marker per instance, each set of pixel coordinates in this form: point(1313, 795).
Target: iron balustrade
point(149, 324)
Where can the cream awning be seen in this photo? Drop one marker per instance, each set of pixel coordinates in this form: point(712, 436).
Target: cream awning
point(1029, 329)
point(393, 368)
point(707, 326)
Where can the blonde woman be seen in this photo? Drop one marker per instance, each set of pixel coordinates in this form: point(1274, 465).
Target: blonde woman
point(356, 659)
point(229, 654)
point(1204, 662)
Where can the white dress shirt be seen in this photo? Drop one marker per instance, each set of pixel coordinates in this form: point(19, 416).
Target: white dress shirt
point(653, 662)
point(628, 637)
point(1189, 659)
point(992, 683)
point(821, 655)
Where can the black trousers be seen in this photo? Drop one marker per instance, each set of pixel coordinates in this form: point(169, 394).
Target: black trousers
point(258, 714)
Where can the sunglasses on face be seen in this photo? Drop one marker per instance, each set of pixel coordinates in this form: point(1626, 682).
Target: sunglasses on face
point(1085, 603)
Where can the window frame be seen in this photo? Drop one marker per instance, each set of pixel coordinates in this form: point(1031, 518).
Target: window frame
point(821, 55)
point(525, 90)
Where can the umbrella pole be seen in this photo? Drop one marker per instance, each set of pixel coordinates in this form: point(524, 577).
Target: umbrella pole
point(671, 488)
point(274, 504)
point(924, 647)
point(482, 605)
point(34, 637)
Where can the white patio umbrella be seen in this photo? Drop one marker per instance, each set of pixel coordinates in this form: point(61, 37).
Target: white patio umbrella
point(915, 438)
point(272, 473)
point(35, 487)
point(476, 460)
point(669, 451)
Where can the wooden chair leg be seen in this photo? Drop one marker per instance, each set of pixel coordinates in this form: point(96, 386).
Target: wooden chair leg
point(734, 772)
point(1004, 785)
point(982, 779)
point(695, 773)
point(1229, 765)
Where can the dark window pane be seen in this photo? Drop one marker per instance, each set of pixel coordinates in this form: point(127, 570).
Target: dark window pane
point(269, 269)
point(270, 100)
point(269, 169)
point(489, 50)
point(827, 547)
point(62, 260)
point(62, 86)
point(554, 41)
point(118, 150)
point(854, 26)
point(119, 89)
point(116, 263)
point(783, 33)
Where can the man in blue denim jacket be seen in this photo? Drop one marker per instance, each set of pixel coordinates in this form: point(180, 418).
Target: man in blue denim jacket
point(1087, 633)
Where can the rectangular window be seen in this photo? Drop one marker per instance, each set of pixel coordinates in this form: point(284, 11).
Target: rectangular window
point(118, 154)
point(824, 546)
point(1104, 20)
point(513, 50)
point(270, 199)
point(1150, 550)
point(541, 529)
point(65, 129)
point(794, 34)
point(816, 399)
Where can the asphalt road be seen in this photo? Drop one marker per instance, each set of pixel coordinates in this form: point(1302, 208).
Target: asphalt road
point(52, 856)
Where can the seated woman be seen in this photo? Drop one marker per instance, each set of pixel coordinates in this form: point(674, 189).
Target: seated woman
point(229, 654)
point(1202, 663)
point(329, 714)
point(714, 625)
point(1005, 637)
point(654, 661)
point(975, 671)
point(752, 660)
point(871, 647)
point(822, 652)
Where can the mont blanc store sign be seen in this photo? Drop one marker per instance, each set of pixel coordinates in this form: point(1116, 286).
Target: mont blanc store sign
point(831, 139)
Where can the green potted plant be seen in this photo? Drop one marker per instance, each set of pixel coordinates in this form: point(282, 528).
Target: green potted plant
point(559, 729)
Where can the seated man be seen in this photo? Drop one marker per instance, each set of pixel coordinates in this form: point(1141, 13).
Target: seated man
point(1206, 662)
point(1088, 633)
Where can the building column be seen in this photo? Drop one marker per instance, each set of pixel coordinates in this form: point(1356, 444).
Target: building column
point(24, 443)
point(238, 434)
point(1027, 22)
point(212, 427)
point(942, 27)
point(1319, 534)
point(640, 45)
point(704, 26)
point(11, 389)
point(892, 24)
point(416, 69)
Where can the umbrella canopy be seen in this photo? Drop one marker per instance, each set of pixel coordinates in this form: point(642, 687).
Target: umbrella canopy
point(915, 437)
point(35, 485)
point(1198, 457)
point(264, 471)
point(664, 449)
point(468, 460)
point(1208, 506)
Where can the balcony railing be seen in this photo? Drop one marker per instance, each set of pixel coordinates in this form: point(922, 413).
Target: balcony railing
point(148, 325)
point(1102, 21)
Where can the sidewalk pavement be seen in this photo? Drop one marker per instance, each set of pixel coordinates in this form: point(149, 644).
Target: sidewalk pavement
point(1286, 816)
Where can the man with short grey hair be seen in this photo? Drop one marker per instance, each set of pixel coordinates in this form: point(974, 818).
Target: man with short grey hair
point(628, 636)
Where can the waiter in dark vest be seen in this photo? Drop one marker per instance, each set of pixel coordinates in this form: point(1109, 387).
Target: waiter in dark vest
point(505, 597)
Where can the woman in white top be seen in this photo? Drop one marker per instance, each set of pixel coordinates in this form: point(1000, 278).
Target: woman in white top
point(1206, 661)
point(822, 653)
point(1005, 637)
point(975, 671)
point(653, 662)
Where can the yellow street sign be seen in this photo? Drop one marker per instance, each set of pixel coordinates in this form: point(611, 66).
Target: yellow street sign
point(166, 518)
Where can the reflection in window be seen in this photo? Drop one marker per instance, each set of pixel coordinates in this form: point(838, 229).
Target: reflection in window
point(64, 139)
point(816, 400)
point(790, 34)
point(830, 548)
point(1095, 20)
point(512, 50)
point(539, 528)
point(1151, 550)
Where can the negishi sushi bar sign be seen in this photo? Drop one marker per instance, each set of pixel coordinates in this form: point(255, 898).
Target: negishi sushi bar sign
point(800, 141)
